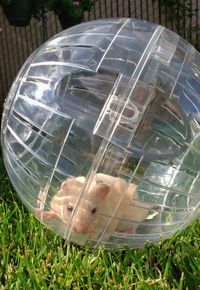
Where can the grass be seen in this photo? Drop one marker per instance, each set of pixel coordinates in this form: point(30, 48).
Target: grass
point(32, 257)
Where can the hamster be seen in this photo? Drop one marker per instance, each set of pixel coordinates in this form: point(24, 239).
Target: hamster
point(109, 206)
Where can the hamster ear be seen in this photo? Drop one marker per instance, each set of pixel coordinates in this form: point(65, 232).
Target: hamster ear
point(132, 191)
point(67, 184)
point(102, 189)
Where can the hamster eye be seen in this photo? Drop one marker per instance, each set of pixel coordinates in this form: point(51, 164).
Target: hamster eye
point(70, 207)
point(94, 210)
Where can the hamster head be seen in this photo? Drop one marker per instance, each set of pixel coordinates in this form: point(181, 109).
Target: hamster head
point(68, 205)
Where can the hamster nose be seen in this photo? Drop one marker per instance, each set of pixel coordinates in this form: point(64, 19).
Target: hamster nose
point(80, 228)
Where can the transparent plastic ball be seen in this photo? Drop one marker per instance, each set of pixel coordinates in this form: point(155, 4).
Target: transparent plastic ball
point(101, 133)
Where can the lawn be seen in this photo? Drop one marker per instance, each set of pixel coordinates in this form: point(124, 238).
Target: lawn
point(32, 257)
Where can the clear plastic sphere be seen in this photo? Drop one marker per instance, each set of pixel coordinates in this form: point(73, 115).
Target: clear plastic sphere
point(101, 133)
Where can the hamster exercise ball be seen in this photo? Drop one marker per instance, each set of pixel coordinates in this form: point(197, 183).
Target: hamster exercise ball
point(101, 133)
